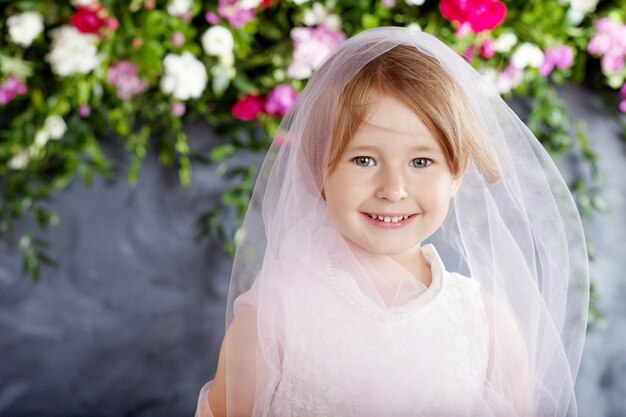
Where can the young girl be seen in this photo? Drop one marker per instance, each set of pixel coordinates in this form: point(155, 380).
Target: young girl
point(338, 306)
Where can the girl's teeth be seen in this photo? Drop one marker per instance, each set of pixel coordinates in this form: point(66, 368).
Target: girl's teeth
point(388, 219)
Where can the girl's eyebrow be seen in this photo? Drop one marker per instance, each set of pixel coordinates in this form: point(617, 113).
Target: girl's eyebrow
point(363, 148)
point(418, 148)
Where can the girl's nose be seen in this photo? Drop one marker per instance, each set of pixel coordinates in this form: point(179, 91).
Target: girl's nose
point(392, 188)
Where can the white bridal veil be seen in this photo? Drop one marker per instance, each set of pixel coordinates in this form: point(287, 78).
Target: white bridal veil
point(520, 238)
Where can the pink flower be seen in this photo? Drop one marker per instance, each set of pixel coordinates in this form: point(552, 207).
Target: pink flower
point(212, 18)
point(124, 77)
point(5, 96)
point(14, 84)
point(599, 44)
point(149, 4)
point(178, 108)
point(612, 62)
point(609, 42)
point(310, 47)
point(506, 80)
point(388, 4)
point(280, 100)
point(622, 91)
point(11, 88)
point(463, 30)
point(113, 24)
point(486, 49)
point(561, 57)
point(248, 108)
point(84, 111)
point(178, 39)
point(604, 25)
point(622, 106)
point(479, 14)
point(89, 19)
point(234, 14)
point(186, 17)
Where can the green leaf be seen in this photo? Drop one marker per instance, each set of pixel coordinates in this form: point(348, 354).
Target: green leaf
point(221, 152)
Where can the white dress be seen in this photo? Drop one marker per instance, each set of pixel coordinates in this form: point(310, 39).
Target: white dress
point(346, 356)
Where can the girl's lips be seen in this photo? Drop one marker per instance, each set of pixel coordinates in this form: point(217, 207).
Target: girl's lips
point(388, 225)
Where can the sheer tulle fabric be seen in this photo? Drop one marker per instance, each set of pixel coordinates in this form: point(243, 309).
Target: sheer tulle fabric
point(317, 328)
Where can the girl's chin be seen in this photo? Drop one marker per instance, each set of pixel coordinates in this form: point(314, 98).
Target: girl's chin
point(392, 248)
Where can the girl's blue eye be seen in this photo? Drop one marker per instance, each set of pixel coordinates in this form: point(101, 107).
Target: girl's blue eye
point(363, 161)
point(420, 162)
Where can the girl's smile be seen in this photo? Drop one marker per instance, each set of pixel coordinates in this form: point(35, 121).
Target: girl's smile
point(389, 220)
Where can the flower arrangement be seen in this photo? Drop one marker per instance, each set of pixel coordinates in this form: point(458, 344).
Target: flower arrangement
point(74, 73)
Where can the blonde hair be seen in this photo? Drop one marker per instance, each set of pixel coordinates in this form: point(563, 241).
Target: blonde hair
point(421, 83)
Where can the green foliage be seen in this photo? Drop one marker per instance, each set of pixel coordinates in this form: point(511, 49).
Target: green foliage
point(31, 173)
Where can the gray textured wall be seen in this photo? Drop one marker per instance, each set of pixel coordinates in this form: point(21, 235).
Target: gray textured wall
point(129, 323)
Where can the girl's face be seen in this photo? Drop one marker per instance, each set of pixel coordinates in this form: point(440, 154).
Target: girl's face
point(392, 186)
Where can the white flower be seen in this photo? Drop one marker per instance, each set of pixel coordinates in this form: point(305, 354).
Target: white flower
point(586, 6)
point(414, 2)
point(72, 51)
point(227, 60)
point(504, 42)
point(249, 4)
point(299, 2)
point(55, 127)
point(179, 7)
point(315, 15)
point(579, 8)
point(41, 138)
point(414, 27)
point(319, 14)
point(527, 55)
point(217, 41)
point(25, 27)
point(78, 3)
point(333, 22)
point(185, 76)
point(19, 161)
point(503, 82)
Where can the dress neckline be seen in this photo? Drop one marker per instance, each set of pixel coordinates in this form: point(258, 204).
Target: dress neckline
point(347, 289)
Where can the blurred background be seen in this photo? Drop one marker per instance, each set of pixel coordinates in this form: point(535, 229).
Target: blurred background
point(130, 136)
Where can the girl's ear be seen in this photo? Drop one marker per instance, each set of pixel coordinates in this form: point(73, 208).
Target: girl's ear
point(456, 184)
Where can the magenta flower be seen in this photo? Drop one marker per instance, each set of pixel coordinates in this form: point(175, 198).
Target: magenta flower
point(486, 49)
point(235, 15)
point(280, 100)
point(310, 47)
point(480, 15)
point(11, 88)
point(124, 77)
point(468, 55)
point(248, 108)
point(561, 57)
